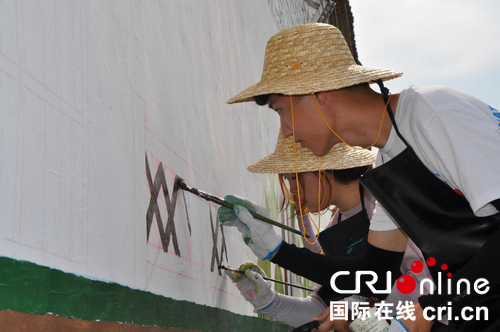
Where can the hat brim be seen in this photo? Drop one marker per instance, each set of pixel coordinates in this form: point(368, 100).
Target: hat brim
point(340, 157)
point(315, 82)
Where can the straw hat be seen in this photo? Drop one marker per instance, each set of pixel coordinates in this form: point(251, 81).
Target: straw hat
point(309, 58)
point(282, 160)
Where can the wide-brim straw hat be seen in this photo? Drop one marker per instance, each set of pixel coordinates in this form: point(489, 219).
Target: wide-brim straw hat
point(282, 160)
point(310, 58)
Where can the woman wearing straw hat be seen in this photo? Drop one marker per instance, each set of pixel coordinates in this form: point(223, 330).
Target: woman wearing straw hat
point(436, 174)
point(344, 236)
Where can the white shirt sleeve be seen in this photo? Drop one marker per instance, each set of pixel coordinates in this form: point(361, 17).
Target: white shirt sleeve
point(381, 221)
point(293, 311)
point(469, 149)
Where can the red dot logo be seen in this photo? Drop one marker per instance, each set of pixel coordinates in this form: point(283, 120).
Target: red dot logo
point(406, 284)
point(417, 266)
point(431, 261)
point(444, 266)
point(449, 274)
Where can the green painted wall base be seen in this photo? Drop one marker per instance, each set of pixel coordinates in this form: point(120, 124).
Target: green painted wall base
point(30, 288)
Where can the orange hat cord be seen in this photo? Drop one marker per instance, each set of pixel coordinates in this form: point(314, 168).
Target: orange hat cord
point(298, 187)
point(322, 200)
point(354, 147)
point(324, 196)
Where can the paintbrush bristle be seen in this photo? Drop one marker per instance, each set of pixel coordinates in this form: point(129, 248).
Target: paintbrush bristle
point(180, 182)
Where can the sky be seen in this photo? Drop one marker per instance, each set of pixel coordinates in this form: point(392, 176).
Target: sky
point(433, 42)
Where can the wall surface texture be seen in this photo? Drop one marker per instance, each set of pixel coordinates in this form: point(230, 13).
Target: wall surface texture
point(102, 104)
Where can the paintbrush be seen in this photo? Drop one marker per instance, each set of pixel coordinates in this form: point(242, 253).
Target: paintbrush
point(266, 278)
point(221, 201)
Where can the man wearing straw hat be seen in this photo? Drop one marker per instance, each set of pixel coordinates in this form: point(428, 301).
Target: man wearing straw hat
point(436, 179)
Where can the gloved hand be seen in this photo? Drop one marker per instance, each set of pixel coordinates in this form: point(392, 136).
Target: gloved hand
point(257, 234)
point(253, 287)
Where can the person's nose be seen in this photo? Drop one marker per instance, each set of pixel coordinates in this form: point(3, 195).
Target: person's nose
point(286, 131)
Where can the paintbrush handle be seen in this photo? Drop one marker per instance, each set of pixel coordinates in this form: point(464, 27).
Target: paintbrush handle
point(277, 224)
point(288, 284)
point(224, 203)
point(266, 278)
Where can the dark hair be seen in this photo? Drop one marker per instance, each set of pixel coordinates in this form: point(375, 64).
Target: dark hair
point(343, 176)
point(261, 100)
point(346, 176)
point(357, 86)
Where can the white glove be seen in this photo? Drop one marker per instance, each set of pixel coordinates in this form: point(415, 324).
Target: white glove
point(257, 234)
point(253, 287)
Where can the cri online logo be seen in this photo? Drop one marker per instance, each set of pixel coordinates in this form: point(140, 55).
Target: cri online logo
point(406, 283)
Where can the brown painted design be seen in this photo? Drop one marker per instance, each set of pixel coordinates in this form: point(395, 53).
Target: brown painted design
point(215, 236)
point(19, 322)
point(153, 209)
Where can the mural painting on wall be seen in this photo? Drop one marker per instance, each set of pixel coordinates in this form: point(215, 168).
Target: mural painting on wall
point(159, 183)
point(215, 235)
point(167, 233)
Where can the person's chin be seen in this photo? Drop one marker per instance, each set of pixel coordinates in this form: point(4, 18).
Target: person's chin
point(319, 152)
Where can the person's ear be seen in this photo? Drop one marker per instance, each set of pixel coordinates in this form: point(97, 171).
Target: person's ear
point(321, 97)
